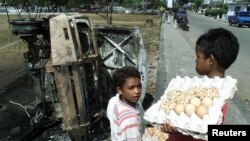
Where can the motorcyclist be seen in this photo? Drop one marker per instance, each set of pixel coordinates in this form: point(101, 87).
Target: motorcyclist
point(183, 23)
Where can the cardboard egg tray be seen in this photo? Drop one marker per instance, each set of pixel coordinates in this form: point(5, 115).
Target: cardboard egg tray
point(193, 125)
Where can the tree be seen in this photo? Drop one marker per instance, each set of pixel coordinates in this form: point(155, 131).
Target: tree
point(197, 3)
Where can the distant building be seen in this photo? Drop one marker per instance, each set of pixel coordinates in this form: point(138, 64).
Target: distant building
point(220, 1)
point(231, 1)
point(170, 4)
point(237, 6)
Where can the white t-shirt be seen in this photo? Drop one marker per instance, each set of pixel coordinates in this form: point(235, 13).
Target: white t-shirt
point(125, 120)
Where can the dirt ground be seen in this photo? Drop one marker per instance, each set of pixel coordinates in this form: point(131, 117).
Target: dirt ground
point(16, 87)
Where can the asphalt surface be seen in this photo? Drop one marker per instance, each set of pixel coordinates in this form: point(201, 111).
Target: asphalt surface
point(178, 58)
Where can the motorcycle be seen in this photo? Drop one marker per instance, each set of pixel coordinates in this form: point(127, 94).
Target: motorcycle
point(182, 22)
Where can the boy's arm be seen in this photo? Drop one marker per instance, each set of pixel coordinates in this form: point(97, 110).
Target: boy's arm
point(224, 112)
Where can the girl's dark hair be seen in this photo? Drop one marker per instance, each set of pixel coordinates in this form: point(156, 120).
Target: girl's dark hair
point(220, 43)
point(120, 75)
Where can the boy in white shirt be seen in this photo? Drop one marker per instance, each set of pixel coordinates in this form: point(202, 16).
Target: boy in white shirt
point(124, 112)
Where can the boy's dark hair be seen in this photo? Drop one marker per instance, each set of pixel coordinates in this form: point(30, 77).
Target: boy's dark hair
point(120, 75)
point(220, 43)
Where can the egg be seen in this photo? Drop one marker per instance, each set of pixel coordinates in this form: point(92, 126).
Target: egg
point(178, 108)
point(207, 101)
point(150, 131)
point(201, 111)
point(189, 109)
point(161, 138)
point(157, 133)
point(195, 101)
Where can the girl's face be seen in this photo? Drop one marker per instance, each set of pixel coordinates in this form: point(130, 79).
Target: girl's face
point(202, 63)
point(130, 91)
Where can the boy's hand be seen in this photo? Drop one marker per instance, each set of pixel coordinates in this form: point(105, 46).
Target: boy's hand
point(167, 128)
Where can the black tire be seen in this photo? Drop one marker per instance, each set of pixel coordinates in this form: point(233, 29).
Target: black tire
point(230, 23)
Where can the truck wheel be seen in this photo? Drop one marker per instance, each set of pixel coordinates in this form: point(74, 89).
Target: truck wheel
point(239, 25)
point(230, 23)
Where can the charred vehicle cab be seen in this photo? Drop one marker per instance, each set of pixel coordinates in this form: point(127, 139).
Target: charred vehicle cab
point(71, 62)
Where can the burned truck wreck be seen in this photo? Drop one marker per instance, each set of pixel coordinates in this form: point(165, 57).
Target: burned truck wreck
point(71, 62)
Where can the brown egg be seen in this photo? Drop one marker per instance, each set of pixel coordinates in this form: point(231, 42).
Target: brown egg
point(207, 101)
point(157, 133)
point(189, 109)
point(178, 108)
point(161, 138)
point(201, 111)
point(195, 101)
point(150, 131)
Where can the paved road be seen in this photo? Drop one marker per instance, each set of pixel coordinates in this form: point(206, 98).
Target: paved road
point(200, 23)
point(177, 57)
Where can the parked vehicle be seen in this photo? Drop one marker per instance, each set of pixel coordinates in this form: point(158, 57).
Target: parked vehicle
point(240, 18)
point(153, 11)
point(84, 8)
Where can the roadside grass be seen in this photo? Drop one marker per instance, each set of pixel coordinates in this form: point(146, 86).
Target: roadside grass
point(6, 36)
point(117, 19)
point(123, 19)
point(7, 39)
